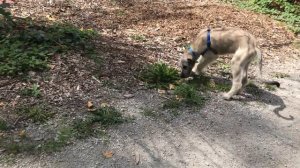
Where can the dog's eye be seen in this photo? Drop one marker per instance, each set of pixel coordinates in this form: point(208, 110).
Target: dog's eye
point(184, 67)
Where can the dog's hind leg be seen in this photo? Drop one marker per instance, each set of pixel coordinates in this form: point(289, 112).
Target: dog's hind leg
point(239, 74)
point(244, 76)
point(203, 61)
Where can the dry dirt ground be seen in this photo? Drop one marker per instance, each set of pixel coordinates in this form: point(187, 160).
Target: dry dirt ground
point(259, 131)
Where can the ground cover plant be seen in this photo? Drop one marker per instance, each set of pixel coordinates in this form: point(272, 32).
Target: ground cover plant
point(287, 11)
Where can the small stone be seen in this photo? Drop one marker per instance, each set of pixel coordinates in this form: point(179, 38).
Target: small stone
point(2, 150)
point(121, 62)
point(160, 91)
point(128, 96)
point(38, 138)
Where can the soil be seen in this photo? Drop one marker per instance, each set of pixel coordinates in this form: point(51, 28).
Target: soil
point(260, 130)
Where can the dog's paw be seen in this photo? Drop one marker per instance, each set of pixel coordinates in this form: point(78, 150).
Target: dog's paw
point(226, 96)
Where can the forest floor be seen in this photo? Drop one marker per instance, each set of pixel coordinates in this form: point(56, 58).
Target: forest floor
point(262, 130)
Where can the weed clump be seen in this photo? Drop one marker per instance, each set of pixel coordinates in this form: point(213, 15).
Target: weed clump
point(37, 113)
point(33, 91)
point(188, 94)
point(159, 75)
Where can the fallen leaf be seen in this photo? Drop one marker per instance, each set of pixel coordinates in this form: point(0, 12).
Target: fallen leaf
point(171, 86)
point(2, 104)
point(51, 66)
point(178, 98)
point(108, 154)
point(22, 133)
point(90, 104)
point(51, 18)
point(14, 103)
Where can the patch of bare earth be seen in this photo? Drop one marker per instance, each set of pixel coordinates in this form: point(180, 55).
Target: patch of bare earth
point(261, 131)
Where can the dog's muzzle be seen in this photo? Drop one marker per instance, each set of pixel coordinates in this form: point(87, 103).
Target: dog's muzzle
point(184, 75)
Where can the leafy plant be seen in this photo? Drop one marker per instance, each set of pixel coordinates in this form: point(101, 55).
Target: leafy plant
point(159, 75)
point(33, 91)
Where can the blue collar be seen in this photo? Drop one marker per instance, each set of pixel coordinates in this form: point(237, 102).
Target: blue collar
point(208, 47)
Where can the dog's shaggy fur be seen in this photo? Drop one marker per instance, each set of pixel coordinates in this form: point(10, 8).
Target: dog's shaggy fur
point(223, 41)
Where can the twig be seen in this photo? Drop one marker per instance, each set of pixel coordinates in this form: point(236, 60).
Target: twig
point(165, 97)
point(137, 159)
point(96, 79)
point(16, 122)
point(7, 83)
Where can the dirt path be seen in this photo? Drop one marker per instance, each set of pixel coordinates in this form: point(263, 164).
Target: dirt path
point(223, 134)
point(262, 131)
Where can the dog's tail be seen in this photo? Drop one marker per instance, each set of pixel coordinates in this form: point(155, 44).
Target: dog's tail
point(260, 60)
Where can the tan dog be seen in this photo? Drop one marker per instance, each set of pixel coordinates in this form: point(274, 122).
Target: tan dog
point(209, 44)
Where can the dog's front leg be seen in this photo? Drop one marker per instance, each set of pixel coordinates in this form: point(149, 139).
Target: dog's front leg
point(203, 61)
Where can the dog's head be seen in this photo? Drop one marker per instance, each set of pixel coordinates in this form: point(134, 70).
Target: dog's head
point(187, 62)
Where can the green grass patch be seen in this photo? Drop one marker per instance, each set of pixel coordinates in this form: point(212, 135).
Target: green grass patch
point(172, 104)
point(150, 113)
point(205, 83)
point(280, 75)
point(188, 94)
point(185, 96)
point(9, 160)
point(36, 113)
point(13, 145)
point(224, 67)
point(104, 116)
point(223, 87)
point(270, 87)
point(283, 10)
point(64, 137)
point(159, 75)
point(28, 45)
point(83, 128)
point(3, 125)
point(107, 116)
point(32, 91)
point(137, 37)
